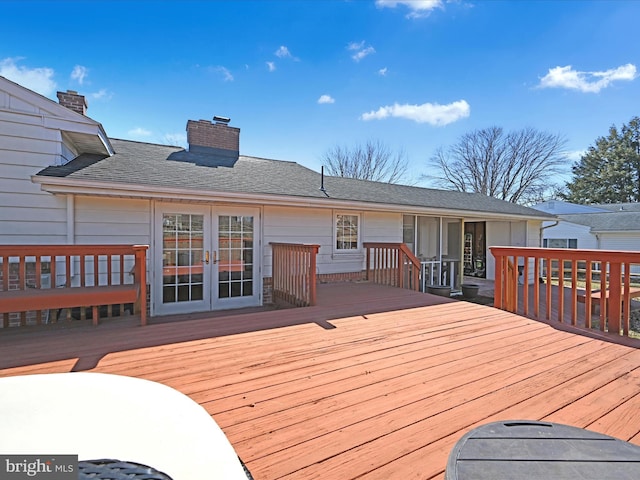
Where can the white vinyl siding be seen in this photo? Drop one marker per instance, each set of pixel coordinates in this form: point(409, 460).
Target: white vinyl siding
point(31, 139)
point(315, 225)
point(381, 227)
point(502, 234)
point(498, 234)
point(298, 225)
point(620, 241)
point(26, 212)
point(533, 233)
point(112, 221)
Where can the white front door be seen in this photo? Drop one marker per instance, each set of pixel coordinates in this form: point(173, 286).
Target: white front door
point(207, 258)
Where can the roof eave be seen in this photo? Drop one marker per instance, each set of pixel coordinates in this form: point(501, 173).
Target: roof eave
point(58, 185)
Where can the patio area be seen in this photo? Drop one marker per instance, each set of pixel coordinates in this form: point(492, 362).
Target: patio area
point(374, 382)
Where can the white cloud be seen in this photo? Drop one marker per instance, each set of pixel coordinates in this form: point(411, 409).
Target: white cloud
point(383, 72)
point(139, 132)
point(102, 94)
point(226, 74)
point(37, 79)
point(326, 99)
point(431, 113)
point(283, 52)
point(586, 82)
point(418, 8)
point(271, 66)
point(360, 50)
point(79, 73)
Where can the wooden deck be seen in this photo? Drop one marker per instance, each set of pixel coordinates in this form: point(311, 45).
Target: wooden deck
point(374, 382)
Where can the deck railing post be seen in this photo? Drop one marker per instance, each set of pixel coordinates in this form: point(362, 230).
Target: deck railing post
point(615, 297)
point(498, 283)
point(141, 278)
point(400, 266)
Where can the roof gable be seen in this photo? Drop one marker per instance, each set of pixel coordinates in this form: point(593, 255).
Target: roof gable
point(17, 98)
point(86, 135)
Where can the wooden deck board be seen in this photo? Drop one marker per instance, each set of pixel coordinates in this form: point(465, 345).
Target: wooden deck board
point(374, 382)
point(395, 432)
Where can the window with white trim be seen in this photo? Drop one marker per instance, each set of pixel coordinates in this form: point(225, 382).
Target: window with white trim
point(347, 232)
point(560, 243)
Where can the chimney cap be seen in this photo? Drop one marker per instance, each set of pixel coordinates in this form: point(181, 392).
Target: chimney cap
point(219, 119)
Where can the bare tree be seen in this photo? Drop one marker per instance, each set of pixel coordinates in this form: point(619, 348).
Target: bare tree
point(518, 166)
point(370, 161)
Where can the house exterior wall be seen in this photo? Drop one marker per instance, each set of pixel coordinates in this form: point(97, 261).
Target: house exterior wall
point(620, 241)
point(27, 215)
point(497, 234)
point(112, 221)
point(516, 234)
point(317, 226)
point(533, 234)
point(571, 230)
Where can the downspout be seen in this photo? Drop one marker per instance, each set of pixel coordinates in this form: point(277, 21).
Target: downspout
point(71, 231)
point(541, 235)
point(440, 248)
point(461, 272)
point(71, 219)
point(544, 228)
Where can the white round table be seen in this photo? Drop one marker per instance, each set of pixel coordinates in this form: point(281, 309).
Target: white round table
point(98, 416)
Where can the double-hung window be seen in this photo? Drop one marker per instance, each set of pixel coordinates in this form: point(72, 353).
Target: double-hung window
point(347, 232)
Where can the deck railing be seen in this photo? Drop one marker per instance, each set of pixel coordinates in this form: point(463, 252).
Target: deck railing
point(294, 273)
point(61, 274)
point(585, 288)
point(440, 272)
point(392, 264)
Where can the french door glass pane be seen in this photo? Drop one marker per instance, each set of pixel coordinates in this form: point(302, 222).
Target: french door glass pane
point(235, 248)
point(182, 245)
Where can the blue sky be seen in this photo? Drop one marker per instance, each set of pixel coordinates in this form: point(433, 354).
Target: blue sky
point(299, 77)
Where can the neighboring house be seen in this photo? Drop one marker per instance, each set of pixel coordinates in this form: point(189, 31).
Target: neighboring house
point(63, 181)
point(605, 227)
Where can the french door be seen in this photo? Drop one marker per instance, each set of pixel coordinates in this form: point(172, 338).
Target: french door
point(206, 258)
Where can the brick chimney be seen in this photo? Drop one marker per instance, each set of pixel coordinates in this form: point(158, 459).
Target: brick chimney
point(73, 101)
point(214, 137)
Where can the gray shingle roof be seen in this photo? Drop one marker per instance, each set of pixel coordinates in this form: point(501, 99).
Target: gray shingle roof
point(607, 222)
point(620, 207)
point(172, 167)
